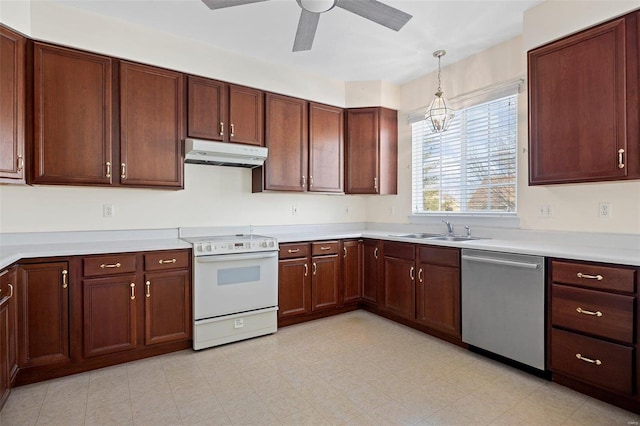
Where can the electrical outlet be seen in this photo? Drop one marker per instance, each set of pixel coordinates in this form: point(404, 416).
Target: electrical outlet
point(294, 210)
point(107, 210)
point(346, 210)
point(238, 323)
point(604, 210)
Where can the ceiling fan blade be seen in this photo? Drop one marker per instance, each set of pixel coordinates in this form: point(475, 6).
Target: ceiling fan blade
point(377, 12)
point(307, 26)
point(220, 4)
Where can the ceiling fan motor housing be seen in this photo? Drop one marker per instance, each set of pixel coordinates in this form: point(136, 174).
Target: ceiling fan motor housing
point(317, 6)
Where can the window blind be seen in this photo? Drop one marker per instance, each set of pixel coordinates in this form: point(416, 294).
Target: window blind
point(471, 167)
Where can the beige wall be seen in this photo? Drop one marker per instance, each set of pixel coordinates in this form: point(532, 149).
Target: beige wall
point(222, 196)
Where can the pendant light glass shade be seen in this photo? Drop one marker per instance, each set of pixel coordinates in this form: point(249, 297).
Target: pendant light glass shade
point(439, 114)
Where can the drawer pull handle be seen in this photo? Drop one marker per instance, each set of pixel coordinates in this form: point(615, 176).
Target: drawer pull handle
point(133, 291)
point(164, 262)
point(621, 158)
point(65, 282)
point(11, 293)
point(110, 265)
point(221, 128)
point(306, 270)
point(123, 171)
point(345, 251)
point(590, 277)
point(315, 268)
point(584, 311)
point(375, 252)
point(420, 274)
point(293, 250)
point(412, 273)
point(325, 248)
point(147, 287)
point(589, 360)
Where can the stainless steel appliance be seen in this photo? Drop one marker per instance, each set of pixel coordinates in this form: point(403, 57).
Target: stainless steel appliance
point(235, 288)
point(503, 305)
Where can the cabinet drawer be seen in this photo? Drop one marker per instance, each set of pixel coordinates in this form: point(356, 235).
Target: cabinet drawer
point(109, 264)
point(324, 247)
point(595, 361)
point(290, 251)
point(161, 260)
point(594, 276)
point(444, 256)
point(399, 250)
point(595, 312)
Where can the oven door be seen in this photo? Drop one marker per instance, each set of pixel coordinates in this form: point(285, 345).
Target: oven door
point(232, 283)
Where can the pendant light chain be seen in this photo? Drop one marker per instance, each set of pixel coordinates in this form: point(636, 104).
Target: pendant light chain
point(439, 82)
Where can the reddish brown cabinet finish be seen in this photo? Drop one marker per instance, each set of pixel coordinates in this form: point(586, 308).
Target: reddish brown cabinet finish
point(286, 136)
point(167, 310)
point(372, 271)
point(109, 314)
point(43, 313)
point(294, 280)
point(438, 289)
point(583, 106)
point(151, 126)
point(225, 112)
point(8, 324)
point(399, 279)
point(12, 106)
point(371, 151)
point(326, 148)
point(72, 121)
point(351, 271)
point(325, 271)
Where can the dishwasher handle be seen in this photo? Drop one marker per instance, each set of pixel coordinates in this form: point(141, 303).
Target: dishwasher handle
point(503, 262)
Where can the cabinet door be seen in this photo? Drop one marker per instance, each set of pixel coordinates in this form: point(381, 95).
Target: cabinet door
point(167, 307)
point(109, 312)
point(207, 106)
point(372, 259)
point(577, 107)
point(294, 287)
point(438, 298)
point(12, 108)
point(9, 287)
point(286, 137)
point(399, 290)
point(324, 282)
point(246, 115)
point(43, 309)
point(151, 109)
point(326, 148)
point(4, 350)
point(362, 151)
point(72, 117)
point(352, 271)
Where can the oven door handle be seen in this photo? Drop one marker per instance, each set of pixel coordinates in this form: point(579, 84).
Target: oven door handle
point(232, 257)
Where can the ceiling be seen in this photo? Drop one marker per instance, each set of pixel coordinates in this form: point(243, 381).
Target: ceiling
point(346, 47)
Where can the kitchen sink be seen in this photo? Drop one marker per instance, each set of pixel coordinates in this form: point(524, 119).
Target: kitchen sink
point(455, 238)
point(417, 235)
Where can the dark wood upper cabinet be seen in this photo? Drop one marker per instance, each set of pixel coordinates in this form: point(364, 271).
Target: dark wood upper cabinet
point(583, 102)
point(225, 112)
point(326, 148)
point(72, 117)
point(151, 129)
point(286, 136)
point(372, 151)
point(12, 106)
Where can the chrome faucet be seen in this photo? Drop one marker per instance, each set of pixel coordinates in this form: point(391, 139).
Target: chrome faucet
point(449, 227)
point(468, 228)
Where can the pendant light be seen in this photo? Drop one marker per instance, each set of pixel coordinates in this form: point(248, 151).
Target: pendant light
point(439, 113)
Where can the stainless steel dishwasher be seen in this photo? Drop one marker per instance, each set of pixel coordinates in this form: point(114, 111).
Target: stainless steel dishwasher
point(503, 305)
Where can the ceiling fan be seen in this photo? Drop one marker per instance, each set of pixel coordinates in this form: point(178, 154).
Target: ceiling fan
point(372, 10)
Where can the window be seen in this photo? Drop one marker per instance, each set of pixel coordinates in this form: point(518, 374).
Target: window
point(471, 167)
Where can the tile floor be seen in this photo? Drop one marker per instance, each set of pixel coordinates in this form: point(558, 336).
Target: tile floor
point(352, 369)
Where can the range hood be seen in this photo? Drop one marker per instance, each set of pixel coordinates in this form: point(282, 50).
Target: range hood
point(198, 151)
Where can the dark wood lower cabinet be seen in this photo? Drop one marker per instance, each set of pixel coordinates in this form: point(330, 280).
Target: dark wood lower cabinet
point(109, 309)
point(43, 306)
point(294, 288)
point(167, 299)
point(399, 284)
point(351, 271)
point(371, 272)
point(7, 334)
point(324, 282)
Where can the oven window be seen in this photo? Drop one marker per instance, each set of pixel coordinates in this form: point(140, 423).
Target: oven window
point(245, 274)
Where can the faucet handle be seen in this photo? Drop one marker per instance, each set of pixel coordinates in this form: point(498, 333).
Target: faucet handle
point(468, 228)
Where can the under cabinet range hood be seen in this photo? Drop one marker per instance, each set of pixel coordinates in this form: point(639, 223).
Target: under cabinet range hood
point(198, 151)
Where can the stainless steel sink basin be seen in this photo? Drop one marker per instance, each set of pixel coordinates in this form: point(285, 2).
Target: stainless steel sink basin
point(455, 238)
point(417, 235)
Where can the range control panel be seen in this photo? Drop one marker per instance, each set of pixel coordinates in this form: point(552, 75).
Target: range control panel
point(233, 244)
